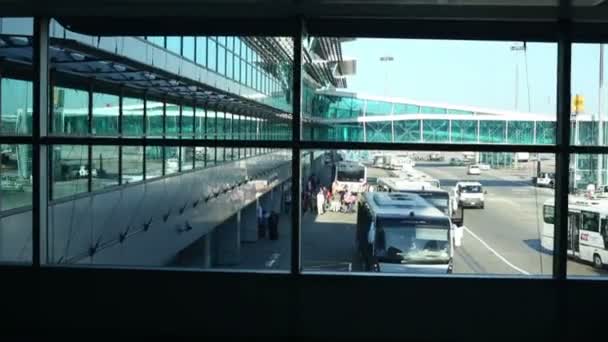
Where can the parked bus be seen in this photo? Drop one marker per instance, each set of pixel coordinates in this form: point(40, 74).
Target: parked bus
point(351, 175)
point(403, 233)
point(587, 229)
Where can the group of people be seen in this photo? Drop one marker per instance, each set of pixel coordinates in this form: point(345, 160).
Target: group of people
point(321, 199)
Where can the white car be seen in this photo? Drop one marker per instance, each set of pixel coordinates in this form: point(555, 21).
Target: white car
point(474, 170)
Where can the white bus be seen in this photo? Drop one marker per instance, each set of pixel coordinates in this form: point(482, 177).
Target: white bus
point(403, 233)
point(351, 175)
point(587, 230)
point(415, 175)
point(436, 196)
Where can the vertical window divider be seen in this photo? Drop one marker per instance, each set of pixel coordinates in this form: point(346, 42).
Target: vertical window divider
point(180, 134)
point(204, 135)
point(164, 136)
point(296, 262)
point(194, 128)
point(120, 133)
point(562, 165)
point(145, 134)
point(40, 115)
point(90, 147)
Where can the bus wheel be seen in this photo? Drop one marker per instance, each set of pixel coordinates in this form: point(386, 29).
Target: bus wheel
point(597, 261)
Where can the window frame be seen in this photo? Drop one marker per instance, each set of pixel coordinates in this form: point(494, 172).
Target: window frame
point(564, 35)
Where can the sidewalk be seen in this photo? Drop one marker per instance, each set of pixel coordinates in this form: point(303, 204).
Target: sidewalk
point(266, 254)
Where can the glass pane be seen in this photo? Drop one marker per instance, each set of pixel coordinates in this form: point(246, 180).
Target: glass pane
point(211, 54)
point(105, 114)
point(15, 176)
point(132, 164)
point(70, 111)
point(199, 123)
point(229, 65)
point(132, 117)
point(154, 162)
point(70, 170)
point(467, 226)
point(201, 50)
point(16, 110)
point(587, 216)
point(221, 60)
point(158, 40)
point(154, 113)
point(187, 122)
point(589, 100)
point(15, 193)
point(172, 120)
point(174, 44)
point(188, 46)
point(187, 158)
point(200, 157)
point(172, 162)
point(105, 167)
point(390, 87)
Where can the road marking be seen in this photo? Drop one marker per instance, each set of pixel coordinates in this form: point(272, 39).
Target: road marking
point(273, 259)
point(496, 253)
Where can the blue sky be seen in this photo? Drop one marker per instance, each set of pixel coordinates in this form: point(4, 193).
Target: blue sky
point(477, 73)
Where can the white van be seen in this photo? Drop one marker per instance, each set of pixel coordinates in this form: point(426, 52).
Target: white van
point(469, 194)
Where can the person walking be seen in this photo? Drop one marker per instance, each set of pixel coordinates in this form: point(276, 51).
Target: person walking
point(320, 201)
point(273, 225)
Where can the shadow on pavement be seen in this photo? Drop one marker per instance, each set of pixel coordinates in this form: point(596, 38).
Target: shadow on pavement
point(536, 246)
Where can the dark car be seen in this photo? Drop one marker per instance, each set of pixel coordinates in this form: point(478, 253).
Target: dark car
point(456, 162)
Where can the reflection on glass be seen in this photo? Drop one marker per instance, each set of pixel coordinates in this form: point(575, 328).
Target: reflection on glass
point(155, 118)
point(132, 117)
point(172, 120)
point(70, 170)
point(187, 158)
point(16, 107)
point(15, 176)
point(132, 164)
point(105, 114)
point(70, 111)
point(154, 161)
point(187, 122)
point(172, 160)
point(104, 167)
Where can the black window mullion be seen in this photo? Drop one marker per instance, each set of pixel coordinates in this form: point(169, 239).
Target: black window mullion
point(296, 255)
point(120, 132)
point(562, 165)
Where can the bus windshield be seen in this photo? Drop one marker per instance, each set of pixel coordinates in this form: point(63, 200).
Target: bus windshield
point(406, 241)
point(351, 175)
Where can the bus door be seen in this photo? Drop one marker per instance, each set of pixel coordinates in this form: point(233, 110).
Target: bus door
point(604, 231)
point(574, 224)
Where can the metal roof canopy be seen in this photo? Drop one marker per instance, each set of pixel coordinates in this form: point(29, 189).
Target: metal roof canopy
point(71, 58)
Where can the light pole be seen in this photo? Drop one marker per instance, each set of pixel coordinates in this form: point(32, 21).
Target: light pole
point(600, 119)
point(386, 60)
point(517, 48)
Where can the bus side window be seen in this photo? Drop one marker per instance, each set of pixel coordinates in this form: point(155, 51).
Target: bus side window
point(591, 221)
